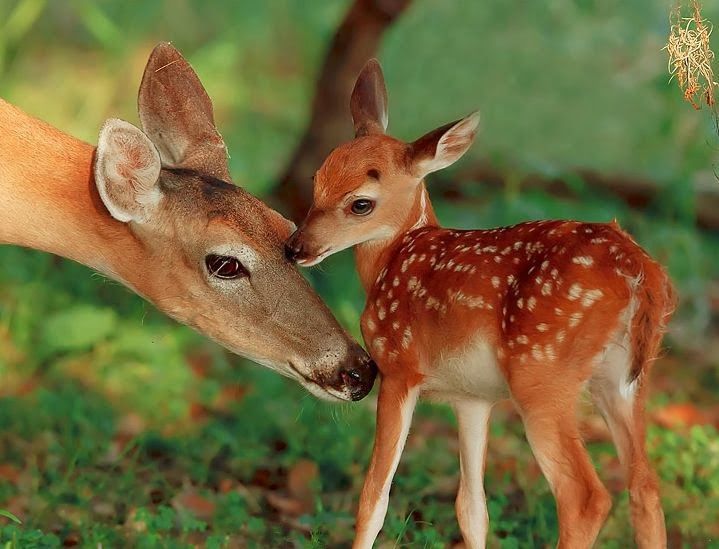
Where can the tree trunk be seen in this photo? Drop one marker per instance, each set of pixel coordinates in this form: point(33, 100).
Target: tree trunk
point(356, 40)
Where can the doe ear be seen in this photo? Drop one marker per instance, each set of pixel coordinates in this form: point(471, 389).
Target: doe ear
point(368, 103)
point(282, 226)
point(177, 115)
point(444, 146)
point(127, 169)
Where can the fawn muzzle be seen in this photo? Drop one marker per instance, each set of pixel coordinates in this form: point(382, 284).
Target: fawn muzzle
point(301, 249)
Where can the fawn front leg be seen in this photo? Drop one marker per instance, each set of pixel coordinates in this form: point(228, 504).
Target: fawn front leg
point(395, 406)
point(471, 505)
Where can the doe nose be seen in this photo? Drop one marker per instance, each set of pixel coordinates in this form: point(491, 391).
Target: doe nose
point(293, 248)
point(358, 376)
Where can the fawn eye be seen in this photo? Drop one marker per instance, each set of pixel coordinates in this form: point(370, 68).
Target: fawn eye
point(225, 267)
point(362, 206)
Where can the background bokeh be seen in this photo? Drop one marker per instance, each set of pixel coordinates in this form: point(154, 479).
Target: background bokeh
point(117, 426)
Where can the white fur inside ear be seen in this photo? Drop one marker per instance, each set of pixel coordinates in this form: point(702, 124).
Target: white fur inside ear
point(451, 146)
point(127, 168)
point(457, 140)
point(384, 118)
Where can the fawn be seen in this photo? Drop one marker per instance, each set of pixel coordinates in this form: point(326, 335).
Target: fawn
point(533, 312)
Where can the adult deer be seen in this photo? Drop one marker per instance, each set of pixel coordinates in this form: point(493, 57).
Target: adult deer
point(156, 212)
point(532, 312)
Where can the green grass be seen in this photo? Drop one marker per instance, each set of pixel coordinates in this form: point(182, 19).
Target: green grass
point(119, 427)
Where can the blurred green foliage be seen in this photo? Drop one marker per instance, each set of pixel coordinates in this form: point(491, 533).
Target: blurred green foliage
point(561, 84)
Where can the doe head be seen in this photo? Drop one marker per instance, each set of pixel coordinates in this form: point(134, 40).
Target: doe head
point(212, 254)
point(366, 188)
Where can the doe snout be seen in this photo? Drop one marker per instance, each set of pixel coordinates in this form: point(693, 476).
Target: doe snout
point(294, 247)
point(357, 375)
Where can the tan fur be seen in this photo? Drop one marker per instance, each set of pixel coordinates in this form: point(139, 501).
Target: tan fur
point(50, 201)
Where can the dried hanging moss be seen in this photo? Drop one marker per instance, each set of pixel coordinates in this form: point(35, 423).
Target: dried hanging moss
point(690, 55)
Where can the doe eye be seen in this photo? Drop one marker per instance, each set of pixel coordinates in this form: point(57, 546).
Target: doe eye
point(362, 206)
point(225, 267)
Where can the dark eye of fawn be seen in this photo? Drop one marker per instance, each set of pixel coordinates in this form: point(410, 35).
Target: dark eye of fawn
point(225, 267)
point(362, 206)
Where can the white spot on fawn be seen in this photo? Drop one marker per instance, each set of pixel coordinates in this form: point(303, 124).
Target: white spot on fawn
point(583, 260)
point(406, 337)
point(590, 296)
point(549, 352)
point(537, 353)
point(379, 343)
point(575, 291)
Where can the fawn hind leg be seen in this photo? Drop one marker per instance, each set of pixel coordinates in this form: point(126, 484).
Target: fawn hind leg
point(621, 403)
point(471, 505)
point(547, 404)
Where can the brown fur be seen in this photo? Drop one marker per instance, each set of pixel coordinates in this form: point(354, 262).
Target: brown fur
point(552, 303)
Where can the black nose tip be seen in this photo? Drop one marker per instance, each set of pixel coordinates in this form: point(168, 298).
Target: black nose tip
point(359, 377)
point(292, 251)
point(293, 246)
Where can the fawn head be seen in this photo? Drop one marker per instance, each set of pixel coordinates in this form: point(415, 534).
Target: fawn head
point(366, 189)
point(215, 252)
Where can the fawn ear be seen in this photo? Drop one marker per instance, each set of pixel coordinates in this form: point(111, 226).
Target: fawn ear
point(369, 101)
point(127, 169)
point(176, 114)
point(443, 146)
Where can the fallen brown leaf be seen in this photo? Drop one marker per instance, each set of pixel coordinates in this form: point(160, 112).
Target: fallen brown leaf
point(302, 479)
point(685, 415)
point(9, 473)
point(191, 500)
point(287, 505)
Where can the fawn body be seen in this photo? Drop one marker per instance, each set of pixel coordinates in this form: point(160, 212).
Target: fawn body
point(534, 312)
point(154, 209)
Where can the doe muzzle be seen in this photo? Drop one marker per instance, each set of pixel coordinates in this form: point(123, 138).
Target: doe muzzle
point(357, 375)
point(294, 249)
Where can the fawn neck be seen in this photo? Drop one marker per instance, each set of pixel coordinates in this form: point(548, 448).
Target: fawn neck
point(49, 201)
point(373, 255)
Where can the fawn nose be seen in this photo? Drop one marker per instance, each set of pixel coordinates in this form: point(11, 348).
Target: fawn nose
point(293, 247)
point(358, 374)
